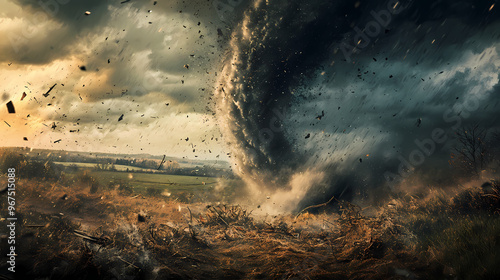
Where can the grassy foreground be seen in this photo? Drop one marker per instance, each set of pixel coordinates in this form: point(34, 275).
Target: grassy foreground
point(110, 233)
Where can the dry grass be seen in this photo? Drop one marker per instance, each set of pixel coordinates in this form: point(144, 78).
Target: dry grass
point(133, 237)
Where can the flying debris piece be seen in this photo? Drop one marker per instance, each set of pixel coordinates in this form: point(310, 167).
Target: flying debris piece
point(154, 3)
point(187, 139)
point(120, 118)
point(219, 32)
point(419, 122)
point(123, 2)
point(24, 95)
point(320, 116)
point(25, 138)
point(53, 125)
point(7, 123)
point(87, 13)
point(162, 162)
point(10, 108)
point(374, 59)
point(83, 68)
point(57, 141)
point(141, 218)
point(491, 8)
point(109, 61)
point(186, 66)
point(50, 89)
point(308, 136)
point(360, 160)
point(391, 76)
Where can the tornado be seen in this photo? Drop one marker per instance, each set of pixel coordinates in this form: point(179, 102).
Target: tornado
point(274, 51)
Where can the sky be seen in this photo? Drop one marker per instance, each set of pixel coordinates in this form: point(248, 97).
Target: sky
point(332, 98)
point(319, 94)
point(155, 64)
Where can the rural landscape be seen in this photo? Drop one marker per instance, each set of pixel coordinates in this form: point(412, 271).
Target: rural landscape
point(249, 139)
point(78, 221)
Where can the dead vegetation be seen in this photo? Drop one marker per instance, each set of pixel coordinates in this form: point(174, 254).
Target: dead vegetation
point(71, 233)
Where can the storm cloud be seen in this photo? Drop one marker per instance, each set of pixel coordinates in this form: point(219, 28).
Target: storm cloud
point(344, 90)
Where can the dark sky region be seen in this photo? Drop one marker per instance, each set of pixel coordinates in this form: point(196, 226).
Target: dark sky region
point(310, 98)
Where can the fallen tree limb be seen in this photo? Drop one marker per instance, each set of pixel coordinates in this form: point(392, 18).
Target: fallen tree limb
point(315, 206)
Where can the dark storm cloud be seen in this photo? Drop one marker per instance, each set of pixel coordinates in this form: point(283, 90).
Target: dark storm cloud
point(371, 106)
point(286, 42)
point(63, 24)
point(414, 53)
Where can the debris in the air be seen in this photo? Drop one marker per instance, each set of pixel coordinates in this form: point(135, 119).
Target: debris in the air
point(374, 59)
point(187, 139)
point(57, 141)
point(419, 122)
point(109, 61)
point(64, 197)
point(162, 162)
point(7, 123)
point(141, 218)
point(320, 116)
point(24, 95)
point(25, 138)
point(394, 114)
point(360, 160)
point(219, 32)
point(53, 125)
point(391, 76)
point(491, 8)
point(87, 13)
point(120, 118)
point(122, 2)
point(83, 68)
point(186, 66)
point(308, 135)
point(154, 3)
point(10, 107)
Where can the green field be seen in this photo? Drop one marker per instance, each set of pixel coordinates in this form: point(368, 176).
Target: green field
point(118, 167)
point(143, 183)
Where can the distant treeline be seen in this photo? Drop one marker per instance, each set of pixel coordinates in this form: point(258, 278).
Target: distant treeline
point(40, 164)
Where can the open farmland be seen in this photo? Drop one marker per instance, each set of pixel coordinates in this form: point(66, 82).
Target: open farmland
point(118, 167)
point(140, 182)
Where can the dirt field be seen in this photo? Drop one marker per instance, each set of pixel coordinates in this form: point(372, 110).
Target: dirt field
point(67, 232)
